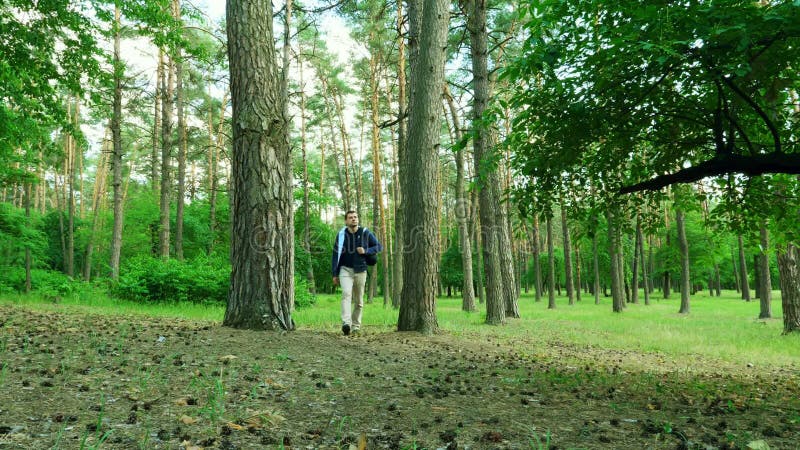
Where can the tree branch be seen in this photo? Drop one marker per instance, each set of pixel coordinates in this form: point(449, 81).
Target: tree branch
point(751, 165)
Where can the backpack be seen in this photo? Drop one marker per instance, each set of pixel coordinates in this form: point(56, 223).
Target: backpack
point(372, 259)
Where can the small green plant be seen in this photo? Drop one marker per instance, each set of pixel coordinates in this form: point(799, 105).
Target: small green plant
point(99, 436)
point(215, 400)
point(3, 374)
point(667, 427)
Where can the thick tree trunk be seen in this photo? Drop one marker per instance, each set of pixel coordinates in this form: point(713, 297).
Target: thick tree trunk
point(551, 274)
point(789, 269)
point(766, 279)
point(421, 264)
point(567, 255)
point(492, 228)
point(477, 238)
point(743, 271)
point(261, 294)
point(684, 246)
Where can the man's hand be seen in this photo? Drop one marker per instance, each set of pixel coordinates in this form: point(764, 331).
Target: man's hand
point(360, 250)
point(335, 281)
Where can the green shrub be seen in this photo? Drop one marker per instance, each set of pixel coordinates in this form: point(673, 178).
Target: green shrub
point(302, 297)
point(45, 282)
point(149, 279)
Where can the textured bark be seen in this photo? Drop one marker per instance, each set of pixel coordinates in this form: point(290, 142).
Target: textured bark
point(635, 265)
point(567, 255)
point(154, 152)
point(179, 100)
point(667, 282)
point(766, 279)
point(306, 214)
point(537, 266)
point(166, 159)
point(551, 273)
point(577, 273)
point(643, 263)
point(743, 271)
point(492, 224)
point(400, 170)
point(70, 171)
point(462, 212)
point(261, 294)
point(618, 301)
point(476, 225)
point(789, 269)
point(421, 264)
point(684, 247)
point(379, 214)
point(99, 194)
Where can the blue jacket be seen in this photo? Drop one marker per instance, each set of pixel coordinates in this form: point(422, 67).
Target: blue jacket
point(363, 236)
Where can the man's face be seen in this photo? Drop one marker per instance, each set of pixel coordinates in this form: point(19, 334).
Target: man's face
point(351, 220)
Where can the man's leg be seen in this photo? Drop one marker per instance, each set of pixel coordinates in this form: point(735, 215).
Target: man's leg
point(360, 279)
point(346, 281)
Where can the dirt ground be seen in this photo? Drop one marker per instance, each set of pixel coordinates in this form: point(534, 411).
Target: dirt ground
point(75, 381)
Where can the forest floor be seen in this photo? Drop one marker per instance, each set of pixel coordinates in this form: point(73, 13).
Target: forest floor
point(72, 380)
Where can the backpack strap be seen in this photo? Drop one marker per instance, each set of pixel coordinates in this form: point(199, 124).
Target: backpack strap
point(339, 244)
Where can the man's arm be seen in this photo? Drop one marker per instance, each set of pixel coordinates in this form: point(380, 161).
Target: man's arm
point(375, 246)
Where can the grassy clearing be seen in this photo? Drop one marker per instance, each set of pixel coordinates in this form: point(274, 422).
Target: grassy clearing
point(723, 328)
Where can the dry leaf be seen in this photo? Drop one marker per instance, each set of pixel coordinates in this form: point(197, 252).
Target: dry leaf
point(183, 401)
point(188, 420)
point(362, 441)
point(234, 426)
point(228, 358)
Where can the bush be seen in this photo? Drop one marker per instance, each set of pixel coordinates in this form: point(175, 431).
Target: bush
point(148, 279)
point(302, 297)
point(45, 282)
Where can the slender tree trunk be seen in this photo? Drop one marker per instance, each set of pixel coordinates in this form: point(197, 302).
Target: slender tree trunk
point(735, 271)
point(477, 238)
point(154, 155)
point(645, 274)
point(166, 157)
point(757, 276)
point(306, 214)
point(718, 283)
point(176, 13)
point(399, 160)
point(99, 194)
point(789, 269)
point(261, 294)
point(684, 246)
point(743, 271)
point(596, 267)
point(618, 304)
point(537, 264)
point(636, 256)
point(462, 213)
point(71, 158)
point(28, 258)
point(116, 158)
point(551, 274)
point(577, 272)
point(567, 255)
point(766, 279)
point(420, 271)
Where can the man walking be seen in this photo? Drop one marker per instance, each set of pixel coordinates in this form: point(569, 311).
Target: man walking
point(350, 250)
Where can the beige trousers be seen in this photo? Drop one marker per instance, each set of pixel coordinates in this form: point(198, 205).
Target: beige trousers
point(352, 296)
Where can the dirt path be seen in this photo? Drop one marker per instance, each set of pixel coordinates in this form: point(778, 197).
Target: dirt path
point(67, 379)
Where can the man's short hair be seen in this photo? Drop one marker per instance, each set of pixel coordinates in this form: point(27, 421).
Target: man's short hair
point(348, 213)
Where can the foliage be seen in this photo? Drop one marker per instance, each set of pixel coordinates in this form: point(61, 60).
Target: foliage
point(17, 233)
point(147, 279)
point(618, 93)
point(48, 283)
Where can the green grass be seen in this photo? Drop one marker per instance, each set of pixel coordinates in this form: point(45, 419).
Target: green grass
point(723, 328)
